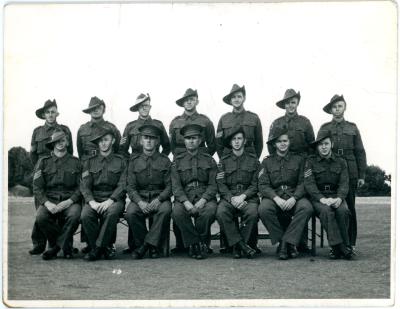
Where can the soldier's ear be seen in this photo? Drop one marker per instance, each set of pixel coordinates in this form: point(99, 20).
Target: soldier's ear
point(57, 114)
point(113, 141)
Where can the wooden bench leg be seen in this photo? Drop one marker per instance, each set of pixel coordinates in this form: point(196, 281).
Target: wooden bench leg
point(313, 236)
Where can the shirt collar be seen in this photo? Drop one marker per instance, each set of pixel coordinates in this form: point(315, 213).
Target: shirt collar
point(239, 113)
point(55, 158)
point(49, 127)
point(99, 122)
point(186, 116)
point(144, 120)
point(335, 122)
point(290, 117)
point(152, 157)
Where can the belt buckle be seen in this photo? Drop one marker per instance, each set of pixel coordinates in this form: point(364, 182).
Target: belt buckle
point(93, 152)
point(327, 187)
point(239, 187)
point(284, 187)
point(340, 151)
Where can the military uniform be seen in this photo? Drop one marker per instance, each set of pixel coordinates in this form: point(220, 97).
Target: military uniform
point(131, 137)
point(283, 176)
point(41, 136)
point(253, 130)
point(329, 178)
point(238, 175)
point(103, 178)
point(177, 140)
point(193, 178)
point(300, 132)
point(86, 132)
point(149, 177)
point(347, 143)
point(56, 180)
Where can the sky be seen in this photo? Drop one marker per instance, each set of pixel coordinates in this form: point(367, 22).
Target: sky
point(71, 52)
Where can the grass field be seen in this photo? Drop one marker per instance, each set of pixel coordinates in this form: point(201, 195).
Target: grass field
point(218, 277)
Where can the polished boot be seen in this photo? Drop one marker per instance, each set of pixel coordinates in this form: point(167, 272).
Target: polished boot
point(140, 252)
point(283, 252)
point(51, 253)
point(246, 249)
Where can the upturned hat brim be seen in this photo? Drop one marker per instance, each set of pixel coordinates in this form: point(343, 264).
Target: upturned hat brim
point(327, 108)
point(98, 136)
point(228, 138)
point(135, 107)
point(276, 135)
point(227, 98)
point(320, 137)
point(281, 103)
point(182, 100)
point(39, 112)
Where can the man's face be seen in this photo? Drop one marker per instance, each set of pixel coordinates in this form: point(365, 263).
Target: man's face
point(282, 143)
point(106, 142)
point(190, 103)
point(291, 106)
point(237, 99)
point(149, 143)
point(144, 109)
point(51, 114)
point(325, 147)
point(338, 109)
point(62, 144)
point(192, 142)
point(97, 112)
point(238, 141)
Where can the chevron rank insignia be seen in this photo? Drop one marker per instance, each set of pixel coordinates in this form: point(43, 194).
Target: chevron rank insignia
point(123, 140)
point(219, 134)
point(220, 175)
point(37, 175)
point(261, 172)
point(308, 173)
point(85, 174)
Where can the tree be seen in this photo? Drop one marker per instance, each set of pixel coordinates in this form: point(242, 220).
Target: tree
point(20, 168)
point(377, 183)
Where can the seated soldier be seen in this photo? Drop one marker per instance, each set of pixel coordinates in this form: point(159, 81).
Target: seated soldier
point(149, 189)
point(56, 188)
point(283, 210)
point(237, 184)
point(326, 179)
point(193, 185)
point(103, 187)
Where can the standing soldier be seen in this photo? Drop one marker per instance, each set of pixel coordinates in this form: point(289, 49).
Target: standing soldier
point(284, 210)
point(56, 188)
point(87, 149)
point(40, 136)
point(103, 187)
point(237, 184)
point(347, 143)
point(149, 189)
point(300, 133)
point(239, 117)
point(326, 179)
point(131, 138)
point(193, 184)
point(189, 102)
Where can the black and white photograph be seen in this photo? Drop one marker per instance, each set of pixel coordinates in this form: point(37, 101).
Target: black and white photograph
point(199, 154)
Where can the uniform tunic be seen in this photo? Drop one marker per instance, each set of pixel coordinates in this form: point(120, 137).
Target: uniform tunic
point(300, 132)
point(283, 177)
point(177, 140)
point(193, 178)
point(103, 178)
point(41, 135)
point(149, 177)
point(252, 127)
point(56, 180)
point(329, 178)
point(131, 137)
point(348, 144)
point(86, 133)
point(238, 175)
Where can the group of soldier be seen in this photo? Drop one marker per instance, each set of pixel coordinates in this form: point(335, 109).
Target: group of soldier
point(302, 175)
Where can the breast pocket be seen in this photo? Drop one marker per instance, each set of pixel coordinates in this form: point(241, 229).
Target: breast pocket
point(114, 172)
point(249, 128)
point(348, 138)
point(50, 175)
point(71, 177)
point(247, 173)
point(41, 141)
point(203, 171)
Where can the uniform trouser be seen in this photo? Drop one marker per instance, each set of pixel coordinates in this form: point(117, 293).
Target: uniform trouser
point(60, 233)
point(294, 220)
point(226, 215)
point(335, 222)
point(201, 230)
point(160, 226)
point(37, 236)
point(100, 229)
point(351, 204)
